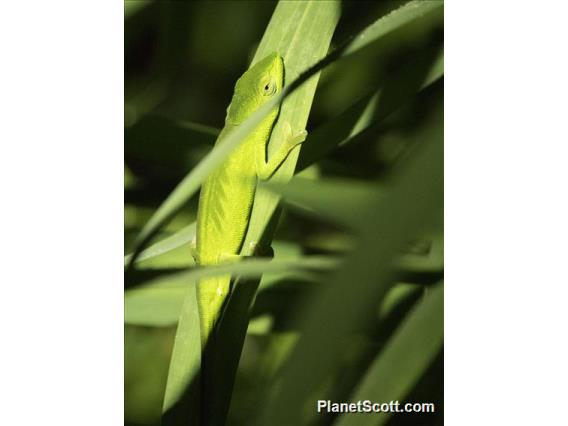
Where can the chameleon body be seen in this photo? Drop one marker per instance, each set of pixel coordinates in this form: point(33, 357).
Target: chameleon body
point(226, 197)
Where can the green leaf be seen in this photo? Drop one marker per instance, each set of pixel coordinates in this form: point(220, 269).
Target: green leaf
point(248, 268)
point(393, 21)
point(181, 237)
point(338, 200)
point(355, 289)
point(370, 111)
point(407, 355)
point(154, 306)
point(158, 301)
point(343, 200)
point(182, 397)
point(158, 304)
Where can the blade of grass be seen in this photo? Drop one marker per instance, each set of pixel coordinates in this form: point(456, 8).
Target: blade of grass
point(249, 268)
point(158, 304)
point(181, 237)
point(185, 236)
point(396, 19)
point(182, 397)
point(337, 200)
point(407, 355)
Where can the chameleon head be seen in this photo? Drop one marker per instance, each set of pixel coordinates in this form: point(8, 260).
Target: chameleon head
point(256, 86)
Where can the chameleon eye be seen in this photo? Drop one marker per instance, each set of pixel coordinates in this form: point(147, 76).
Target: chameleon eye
point(269, 88)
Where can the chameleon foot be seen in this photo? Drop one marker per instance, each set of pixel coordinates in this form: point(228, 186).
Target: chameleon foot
point(293, 139)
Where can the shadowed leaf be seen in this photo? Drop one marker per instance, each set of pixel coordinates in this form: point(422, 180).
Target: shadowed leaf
point(407, 355)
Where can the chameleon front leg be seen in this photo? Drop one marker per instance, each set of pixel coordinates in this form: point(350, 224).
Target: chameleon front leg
point(265, 169)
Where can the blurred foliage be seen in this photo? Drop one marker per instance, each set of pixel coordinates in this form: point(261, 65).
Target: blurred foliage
point(367, 192)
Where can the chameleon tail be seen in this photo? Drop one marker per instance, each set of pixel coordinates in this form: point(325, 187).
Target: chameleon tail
point(212, 293)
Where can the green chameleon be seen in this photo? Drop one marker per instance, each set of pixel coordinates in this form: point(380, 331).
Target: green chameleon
point(226, 197)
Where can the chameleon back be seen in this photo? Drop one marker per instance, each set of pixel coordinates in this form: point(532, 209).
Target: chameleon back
point(227, 195)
